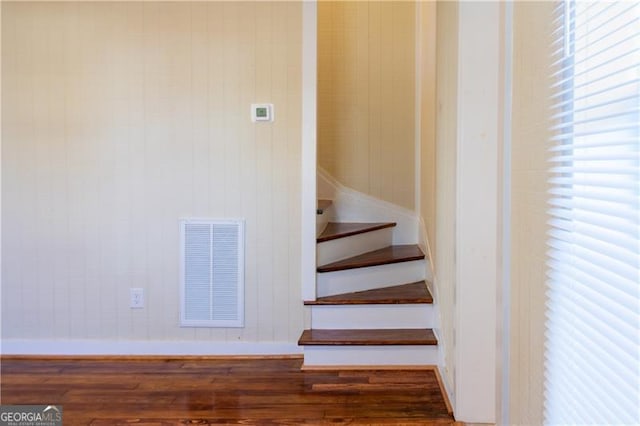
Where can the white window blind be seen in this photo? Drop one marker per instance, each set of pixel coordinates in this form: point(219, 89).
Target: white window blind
point(592, 356)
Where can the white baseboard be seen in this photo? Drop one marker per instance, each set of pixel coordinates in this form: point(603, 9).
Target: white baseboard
point(136, 347)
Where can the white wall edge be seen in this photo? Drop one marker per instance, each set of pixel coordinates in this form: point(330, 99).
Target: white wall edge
point(309, 153)
point(136, 347)
point(352, 205)
point(478, 200)
point(503, 359)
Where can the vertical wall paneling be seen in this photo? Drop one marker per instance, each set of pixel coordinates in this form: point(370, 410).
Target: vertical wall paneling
point(503, 319)
point(426, 102)
point(530, 130)
point(216, 177)
point(446, 136)
point(1, 39)
point(295, 184)
point(264, 74)
point(308, 151)
point(366, 96)
point(277, 226)
point(119, 118)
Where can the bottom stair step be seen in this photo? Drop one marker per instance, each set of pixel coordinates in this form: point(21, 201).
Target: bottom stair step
point(374, 337)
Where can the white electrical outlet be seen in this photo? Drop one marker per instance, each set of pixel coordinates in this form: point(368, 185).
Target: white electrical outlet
point(137, 298)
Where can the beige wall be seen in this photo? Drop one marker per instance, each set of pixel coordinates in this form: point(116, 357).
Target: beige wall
point(366, 96)
point(445, 179)
point(531, 64)
point(121, 118)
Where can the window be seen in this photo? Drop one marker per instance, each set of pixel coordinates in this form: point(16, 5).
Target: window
point(592, 354)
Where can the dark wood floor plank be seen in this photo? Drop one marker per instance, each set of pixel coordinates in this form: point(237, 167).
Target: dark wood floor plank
point(18, 396)
point(251, 400)
point(222, 391)
point(123, 397)
point(406, 293)
point(23, 379)
point(335, 230)
point(368, 387)
point(384, 256)
point(389, 410)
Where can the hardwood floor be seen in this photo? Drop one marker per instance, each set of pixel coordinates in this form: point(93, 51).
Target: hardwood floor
point(156, 391)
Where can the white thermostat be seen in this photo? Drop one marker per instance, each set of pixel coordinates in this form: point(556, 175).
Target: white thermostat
point(261, 112)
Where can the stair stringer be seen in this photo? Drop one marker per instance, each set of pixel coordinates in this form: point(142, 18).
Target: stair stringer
point(424, 243)
point(350, 205)
point(354, 206)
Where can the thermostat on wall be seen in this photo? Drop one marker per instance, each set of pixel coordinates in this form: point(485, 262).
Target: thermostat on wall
point(261, 112)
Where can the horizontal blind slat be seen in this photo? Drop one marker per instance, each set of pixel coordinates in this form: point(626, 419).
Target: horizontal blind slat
point(592, 106)
point(603, 37)
point(593, 119)
point(618, 142)
point(589, 392)
point(591, 182)
point(591, 193)
point(623, 62)
point(595, 92)
point(592, 348)
point(597, 207)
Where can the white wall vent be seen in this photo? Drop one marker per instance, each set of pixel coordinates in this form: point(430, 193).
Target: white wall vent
point(212, 273)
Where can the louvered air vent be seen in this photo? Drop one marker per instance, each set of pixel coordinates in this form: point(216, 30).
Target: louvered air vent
point(212, 273)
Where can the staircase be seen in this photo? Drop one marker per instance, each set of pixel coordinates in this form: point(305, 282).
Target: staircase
point(373, 307)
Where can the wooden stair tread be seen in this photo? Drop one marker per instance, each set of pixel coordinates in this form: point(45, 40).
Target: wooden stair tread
point(398, 294)
point(336, 230)
point(322, 205)
point(370, 337)
point(387, 255)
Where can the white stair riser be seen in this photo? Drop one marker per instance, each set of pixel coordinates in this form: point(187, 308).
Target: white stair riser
point(371, 316)
point(370, 355)
point(342, 248)
point(361, 279)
